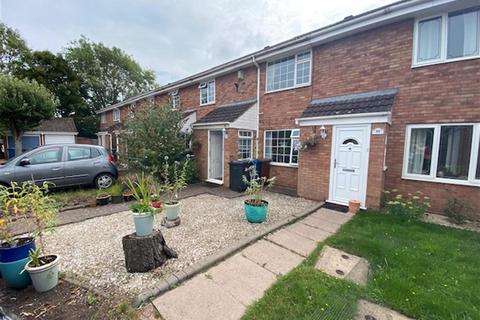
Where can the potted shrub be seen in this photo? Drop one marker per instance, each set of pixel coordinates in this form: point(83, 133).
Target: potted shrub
point(143, 213)
point(116, 193)
point(172, 182)
point(103, 197)
point(42, 268)
point(256, 208)
point(14, 250)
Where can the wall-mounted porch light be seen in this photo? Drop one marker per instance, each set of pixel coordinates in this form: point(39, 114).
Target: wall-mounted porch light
point(323, 132)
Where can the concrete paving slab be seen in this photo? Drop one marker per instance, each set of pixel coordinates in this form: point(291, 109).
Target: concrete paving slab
point(199, 299)
point(272, 257)
point(321, 224)
point(332, 216)
point(245, 280)
point(292, 241)
point(343, 265)
point(370, 311)
point(309, 232)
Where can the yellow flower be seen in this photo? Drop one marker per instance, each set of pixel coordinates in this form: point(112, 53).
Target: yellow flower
point(2, 222)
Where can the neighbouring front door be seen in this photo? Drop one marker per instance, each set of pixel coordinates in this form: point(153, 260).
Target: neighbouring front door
point(215, 156)
point(349, 163)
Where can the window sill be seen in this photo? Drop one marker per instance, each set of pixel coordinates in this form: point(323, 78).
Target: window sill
point(207, 104)
point(436, 62)
point(287, 165)
point(444, 181)
point(289, 88)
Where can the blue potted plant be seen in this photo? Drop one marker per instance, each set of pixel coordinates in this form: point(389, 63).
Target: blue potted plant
point(14, 250)
point(256, 208)
point(142, 211)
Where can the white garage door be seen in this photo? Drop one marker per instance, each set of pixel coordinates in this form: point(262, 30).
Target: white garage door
point(57, 138)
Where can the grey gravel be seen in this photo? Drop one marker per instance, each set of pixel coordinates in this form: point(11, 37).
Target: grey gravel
point(92, 250)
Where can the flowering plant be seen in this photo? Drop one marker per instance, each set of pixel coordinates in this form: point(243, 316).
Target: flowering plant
point(256, 185)
point(309, 142)
point(174, 180)
point(413, 206)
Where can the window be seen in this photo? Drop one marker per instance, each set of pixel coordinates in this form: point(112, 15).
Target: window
point(244, 144)
point(47, 156)
point(175, 100)
point(207, 92)
point(460, 39)
point(116, 115)
point(289, 72)
point(103, 118)
point(443, 152)
point(281, 146)
point(78, 153)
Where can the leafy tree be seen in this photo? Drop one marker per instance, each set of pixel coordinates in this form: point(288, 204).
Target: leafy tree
point(13, 50)
point(153, 134)
point(109, 74)
point(53, 72)
point(23, 105)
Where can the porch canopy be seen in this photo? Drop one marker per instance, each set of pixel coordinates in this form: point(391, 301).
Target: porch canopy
point(239, 115)
point(366, 107)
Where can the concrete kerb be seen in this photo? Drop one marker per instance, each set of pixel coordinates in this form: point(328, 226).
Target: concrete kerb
point(177, 278)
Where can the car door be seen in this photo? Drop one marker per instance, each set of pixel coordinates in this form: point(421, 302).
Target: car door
point(44, 164)
point(78, 165)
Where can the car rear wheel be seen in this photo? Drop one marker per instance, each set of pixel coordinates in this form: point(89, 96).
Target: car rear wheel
point(104, 180)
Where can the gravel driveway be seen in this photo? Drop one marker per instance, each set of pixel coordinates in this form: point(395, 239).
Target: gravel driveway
point(92, 249)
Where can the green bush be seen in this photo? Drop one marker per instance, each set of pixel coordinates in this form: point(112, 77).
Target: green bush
point(411, 206)
point(458, 210)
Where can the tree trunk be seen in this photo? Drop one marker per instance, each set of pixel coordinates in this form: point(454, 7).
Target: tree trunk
point(18, 143)
point(146, 253)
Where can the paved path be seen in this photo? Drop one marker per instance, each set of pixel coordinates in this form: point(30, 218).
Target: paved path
point(224, 291)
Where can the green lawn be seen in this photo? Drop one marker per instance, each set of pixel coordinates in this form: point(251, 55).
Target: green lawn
point(422, 270)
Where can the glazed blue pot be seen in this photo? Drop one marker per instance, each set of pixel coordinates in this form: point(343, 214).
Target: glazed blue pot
point(12, 273)
point(256, 214)
point(16, 253)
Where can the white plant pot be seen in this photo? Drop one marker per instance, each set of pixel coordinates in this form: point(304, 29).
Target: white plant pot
point(143, 224)
point(45, 277)
point(172, 210)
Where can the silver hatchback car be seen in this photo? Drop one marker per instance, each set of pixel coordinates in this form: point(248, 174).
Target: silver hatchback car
point(63, 165)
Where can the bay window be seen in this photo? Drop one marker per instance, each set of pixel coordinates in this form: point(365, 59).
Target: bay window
point(448, 36)
point(443, 152)
point(289, 72)
point(282, 146)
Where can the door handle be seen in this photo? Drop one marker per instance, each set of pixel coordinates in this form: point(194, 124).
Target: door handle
point(349, 170)
point(334, 163)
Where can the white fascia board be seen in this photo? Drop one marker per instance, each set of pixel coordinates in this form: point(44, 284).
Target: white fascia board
point(358, 118)
point(388, 14)
point(212, 125)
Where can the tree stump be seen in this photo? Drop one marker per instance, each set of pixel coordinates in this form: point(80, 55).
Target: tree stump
point(146, 253)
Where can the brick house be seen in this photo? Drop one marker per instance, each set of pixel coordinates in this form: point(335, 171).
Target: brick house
point(388, 99)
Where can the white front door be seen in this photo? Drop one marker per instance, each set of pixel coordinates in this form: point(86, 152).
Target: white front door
point(349, 163)
point(215, 156)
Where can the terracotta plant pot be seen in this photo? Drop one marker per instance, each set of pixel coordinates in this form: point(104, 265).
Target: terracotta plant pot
point(353, 206)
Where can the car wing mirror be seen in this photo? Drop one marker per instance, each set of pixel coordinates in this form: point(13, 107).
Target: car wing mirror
point(24, 162)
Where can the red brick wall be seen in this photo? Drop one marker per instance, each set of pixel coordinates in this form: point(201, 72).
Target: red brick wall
point(376, 174)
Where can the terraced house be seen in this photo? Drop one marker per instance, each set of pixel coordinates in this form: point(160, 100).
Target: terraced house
point(386, 99)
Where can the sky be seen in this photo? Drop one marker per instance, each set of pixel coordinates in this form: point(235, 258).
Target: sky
point(174, 38)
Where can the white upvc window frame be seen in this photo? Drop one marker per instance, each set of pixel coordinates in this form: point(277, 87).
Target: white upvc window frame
point(103, 117)
point(116, 115)
point(295, 85)
point(210, 97)
point(175, 99)
point(245, 135)
point(432, 177)
point(443, 40)
point(296, 137)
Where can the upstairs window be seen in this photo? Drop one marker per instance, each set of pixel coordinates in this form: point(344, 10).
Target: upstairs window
point(116, 115)
point(103, 117)
point(281, 146)
point(207, 92)
point(447, 37)
point(290, 72)
point(175, 99)
point(443, 152)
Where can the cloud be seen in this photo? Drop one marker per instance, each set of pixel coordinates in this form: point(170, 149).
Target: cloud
point(174, 38)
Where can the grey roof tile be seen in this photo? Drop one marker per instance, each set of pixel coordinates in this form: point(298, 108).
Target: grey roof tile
point(227, 112)
point(367, 102)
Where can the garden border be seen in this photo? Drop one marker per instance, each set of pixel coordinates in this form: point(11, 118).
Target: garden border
point(178, 277)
